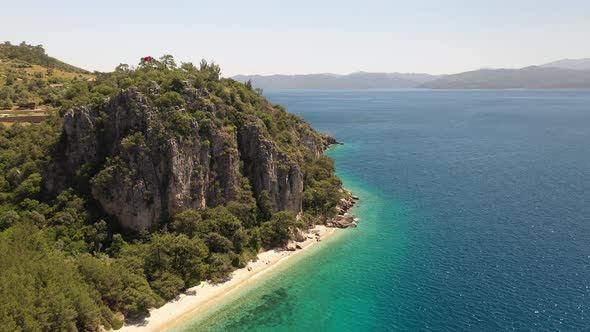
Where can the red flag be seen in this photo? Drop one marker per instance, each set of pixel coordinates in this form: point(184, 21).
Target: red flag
point(147, 59)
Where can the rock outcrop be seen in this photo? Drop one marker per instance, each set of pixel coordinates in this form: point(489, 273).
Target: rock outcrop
point(343, 219)
point(270, 170)
point(329, 140)
point(144, 164)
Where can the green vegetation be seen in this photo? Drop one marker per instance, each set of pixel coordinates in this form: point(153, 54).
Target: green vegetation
point(35, 55)
point(29, 78)
point(321, 187)
point(66, 266)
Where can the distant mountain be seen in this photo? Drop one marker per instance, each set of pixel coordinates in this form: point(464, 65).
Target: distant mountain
point(576, 64)
point(360, 80)
point(525, 78)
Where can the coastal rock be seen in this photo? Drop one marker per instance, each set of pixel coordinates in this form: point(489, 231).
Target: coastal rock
point(343, 219)
point(299, 236)
point(345, 203)
point(329, 140)
point(142, 171)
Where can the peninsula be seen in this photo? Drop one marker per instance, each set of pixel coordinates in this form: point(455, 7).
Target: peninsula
point(145, 182)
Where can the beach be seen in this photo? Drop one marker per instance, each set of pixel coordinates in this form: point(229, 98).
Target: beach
point(204, 296)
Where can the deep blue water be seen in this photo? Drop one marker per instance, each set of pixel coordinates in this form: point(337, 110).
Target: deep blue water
point(475, 216)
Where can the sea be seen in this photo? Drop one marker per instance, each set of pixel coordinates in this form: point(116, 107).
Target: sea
point(474, 216)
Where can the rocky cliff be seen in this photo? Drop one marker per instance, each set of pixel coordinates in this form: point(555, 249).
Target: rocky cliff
point(145, 161)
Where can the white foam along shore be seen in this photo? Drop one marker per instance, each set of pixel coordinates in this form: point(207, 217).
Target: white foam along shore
point(204, 296)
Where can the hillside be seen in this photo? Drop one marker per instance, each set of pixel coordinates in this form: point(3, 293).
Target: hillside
point(30, 79)
point(525, 78)
point(35, 55)
point(359, 80)
point(574, 64)
point(149, 181)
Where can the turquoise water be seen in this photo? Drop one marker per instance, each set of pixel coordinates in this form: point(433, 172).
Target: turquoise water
point(475, 216)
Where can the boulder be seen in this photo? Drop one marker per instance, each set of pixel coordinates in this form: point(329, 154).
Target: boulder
point(343, 221)
point(299, 236)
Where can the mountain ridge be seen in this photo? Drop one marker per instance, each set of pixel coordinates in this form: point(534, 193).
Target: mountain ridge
point(575, 64)
point(356, 80)
point(532, 77)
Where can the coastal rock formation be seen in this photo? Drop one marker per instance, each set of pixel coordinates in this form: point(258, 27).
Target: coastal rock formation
point(329, 140)
point(343, 219)
point(271, 170)
point(144, 164)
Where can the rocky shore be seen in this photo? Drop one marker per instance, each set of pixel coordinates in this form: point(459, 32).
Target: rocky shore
point(343, 219)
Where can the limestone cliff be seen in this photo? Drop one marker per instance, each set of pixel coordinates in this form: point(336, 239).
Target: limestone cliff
point(145, 162)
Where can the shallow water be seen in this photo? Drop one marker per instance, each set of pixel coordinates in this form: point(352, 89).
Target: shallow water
point(475, 215)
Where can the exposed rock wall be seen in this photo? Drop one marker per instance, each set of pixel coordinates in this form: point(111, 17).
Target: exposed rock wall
point(270, 170)
point(142, 174)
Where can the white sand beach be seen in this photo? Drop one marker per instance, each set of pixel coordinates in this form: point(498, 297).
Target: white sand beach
point(200, 298)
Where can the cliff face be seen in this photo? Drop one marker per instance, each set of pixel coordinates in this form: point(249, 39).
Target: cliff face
point(142, 171)
point(270, 170)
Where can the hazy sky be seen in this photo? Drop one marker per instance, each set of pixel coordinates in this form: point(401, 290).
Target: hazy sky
point(303, 36)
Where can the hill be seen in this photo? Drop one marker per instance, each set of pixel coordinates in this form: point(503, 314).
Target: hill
point(524, 78)
point(35, 55)
point(359, 80)
point(30, 79)
point(575, 64)
point(147, 182)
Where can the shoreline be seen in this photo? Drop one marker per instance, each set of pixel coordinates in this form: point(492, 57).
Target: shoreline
point(204, 296)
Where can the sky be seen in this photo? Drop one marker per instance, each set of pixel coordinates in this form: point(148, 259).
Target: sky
point(303, 36)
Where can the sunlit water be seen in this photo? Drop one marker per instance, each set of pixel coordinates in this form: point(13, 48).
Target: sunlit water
point(475, 216)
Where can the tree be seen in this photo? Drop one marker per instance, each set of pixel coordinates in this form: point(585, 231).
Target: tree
point(96, 235)
point(170, 99)
point(5, 103)
point(187, 222)
point(265, 205)
point(219, 220)
point(168, 61)
point(167, 285)
point(8, 218)
point(123, 67)
point(245, 212)
point(188, 68)
point(219, 243)
point(10, 78)
point(117, 245)
point(213, 71)
point(275, 233)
